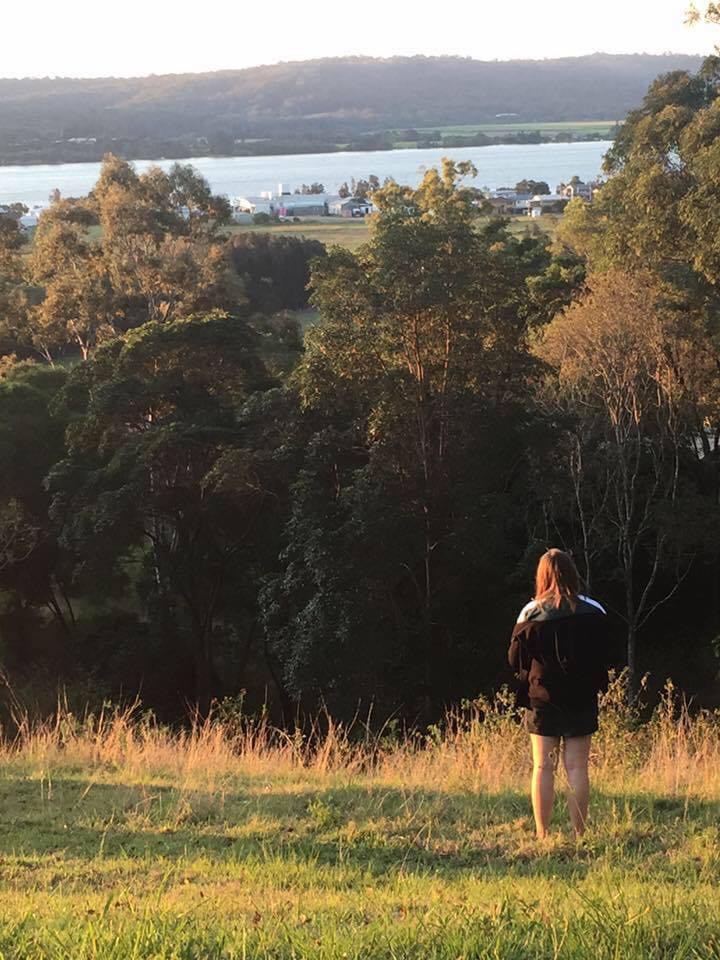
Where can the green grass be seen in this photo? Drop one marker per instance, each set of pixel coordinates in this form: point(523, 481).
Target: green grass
point(575, 127)
point(134, 867)
point(332, 230)
point(353, 233)
point(121, 840)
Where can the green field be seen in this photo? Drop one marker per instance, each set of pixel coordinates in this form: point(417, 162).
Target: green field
point(575, 127)
point(121, 840)
point(353, 233)
point(330, 230)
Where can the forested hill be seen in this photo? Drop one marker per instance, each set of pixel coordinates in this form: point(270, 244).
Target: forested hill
point(316, 101)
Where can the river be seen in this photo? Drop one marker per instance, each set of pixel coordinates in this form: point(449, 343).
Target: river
point(498, 166)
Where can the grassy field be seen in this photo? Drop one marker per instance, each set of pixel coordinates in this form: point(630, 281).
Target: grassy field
point(122, 840)
point(575, 127)
point(329, 230)
point(353, 233)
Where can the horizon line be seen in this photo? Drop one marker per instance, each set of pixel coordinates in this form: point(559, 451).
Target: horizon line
point(350, 57)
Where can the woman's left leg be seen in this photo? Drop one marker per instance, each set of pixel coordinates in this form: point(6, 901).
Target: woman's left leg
point(576, 754)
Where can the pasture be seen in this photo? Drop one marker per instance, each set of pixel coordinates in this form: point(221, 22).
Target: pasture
point(353, 233)
point(122, 839)
point(576, 128)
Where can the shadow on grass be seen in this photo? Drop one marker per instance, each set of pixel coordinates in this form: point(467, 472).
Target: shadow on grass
point(379, 830)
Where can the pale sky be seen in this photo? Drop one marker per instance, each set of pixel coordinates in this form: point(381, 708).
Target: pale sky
point(137, 37)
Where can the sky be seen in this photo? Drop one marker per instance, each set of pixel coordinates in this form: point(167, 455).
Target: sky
point(88, 38)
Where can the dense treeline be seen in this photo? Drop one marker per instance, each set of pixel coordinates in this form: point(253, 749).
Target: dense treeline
point(198, 502)
point(311, 106)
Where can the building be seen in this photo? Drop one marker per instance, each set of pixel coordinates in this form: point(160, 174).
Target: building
point(501, 205)
point(349, 207)
point(577, 188)
point(303, 205)
point(285, 204)
point(546, 203)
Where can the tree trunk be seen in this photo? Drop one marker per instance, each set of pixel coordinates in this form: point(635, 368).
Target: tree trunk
point(202, 649)
point(287, 705)
point(427, 615)
point(631, 661)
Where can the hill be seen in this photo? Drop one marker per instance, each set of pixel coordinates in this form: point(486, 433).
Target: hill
point(310, 105)
point(122, 841)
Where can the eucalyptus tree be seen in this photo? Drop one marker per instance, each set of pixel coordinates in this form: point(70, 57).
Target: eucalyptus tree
point(618, 359)
point(158, 470)
point(412, 388)
point(141, 247)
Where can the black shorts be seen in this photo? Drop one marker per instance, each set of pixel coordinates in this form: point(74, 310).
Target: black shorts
point(548, 720)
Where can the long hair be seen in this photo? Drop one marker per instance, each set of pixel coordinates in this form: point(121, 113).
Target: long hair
point(557, 579)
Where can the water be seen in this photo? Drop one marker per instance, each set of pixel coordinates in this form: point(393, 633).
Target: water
point(498, 166)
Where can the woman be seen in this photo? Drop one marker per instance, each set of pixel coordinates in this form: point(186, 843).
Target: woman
point(559, 653)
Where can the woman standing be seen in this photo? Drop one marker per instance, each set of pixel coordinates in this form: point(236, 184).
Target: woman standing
point(558, 650)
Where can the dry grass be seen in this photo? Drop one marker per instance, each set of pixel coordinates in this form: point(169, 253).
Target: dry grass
point(479, 748)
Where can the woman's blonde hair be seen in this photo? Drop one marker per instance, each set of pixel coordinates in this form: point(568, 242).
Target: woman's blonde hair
point(557, 579)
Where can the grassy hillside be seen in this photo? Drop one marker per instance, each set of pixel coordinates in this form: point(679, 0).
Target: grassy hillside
point(312, 104)
point(122, 840)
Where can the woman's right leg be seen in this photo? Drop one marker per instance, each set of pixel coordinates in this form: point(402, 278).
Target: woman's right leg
point(545, 756)
point(576, 754)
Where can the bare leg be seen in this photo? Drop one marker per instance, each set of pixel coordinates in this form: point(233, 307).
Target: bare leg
point(575, 758)
point(545, 756)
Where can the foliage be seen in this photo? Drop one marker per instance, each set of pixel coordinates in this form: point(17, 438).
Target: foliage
point(219, 503)
point(159, 255)
point(33, 568)
point(618, 361)
point(275, 270)
point(156, 464)
point(533, 186)
point(407, 377)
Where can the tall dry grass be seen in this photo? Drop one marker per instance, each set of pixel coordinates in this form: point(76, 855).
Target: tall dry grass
point(479, 747)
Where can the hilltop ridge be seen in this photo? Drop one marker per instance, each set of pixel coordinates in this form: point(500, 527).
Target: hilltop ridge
point(310, 104)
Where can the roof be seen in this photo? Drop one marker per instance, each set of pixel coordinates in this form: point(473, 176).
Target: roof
point(351, 202)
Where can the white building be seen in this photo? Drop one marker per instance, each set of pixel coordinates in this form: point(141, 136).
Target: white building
point(285, 204)
point(349, 207)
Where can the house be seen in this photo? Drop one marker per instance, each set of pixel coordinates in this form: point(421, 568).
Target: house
point(501, 205)
point(521, 202)
point(577, 188)
point(546, 203)
point(349, 207)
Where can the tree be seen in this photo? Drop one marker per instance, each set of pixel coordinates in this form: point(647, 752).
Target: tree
point(157, 463)
point(711, 14)
point(162, 242)
point(77, 304)
point(617, 358)
point(532, 186)
point(13, 294)
point(160, 254)
point(657, 210)
point(274, 270)
point(418, 355)
point(344, 191)
point(33, 573)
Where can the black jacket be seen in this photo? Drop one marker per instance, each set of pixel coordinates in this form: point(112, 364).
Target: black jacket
point(560, 655)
